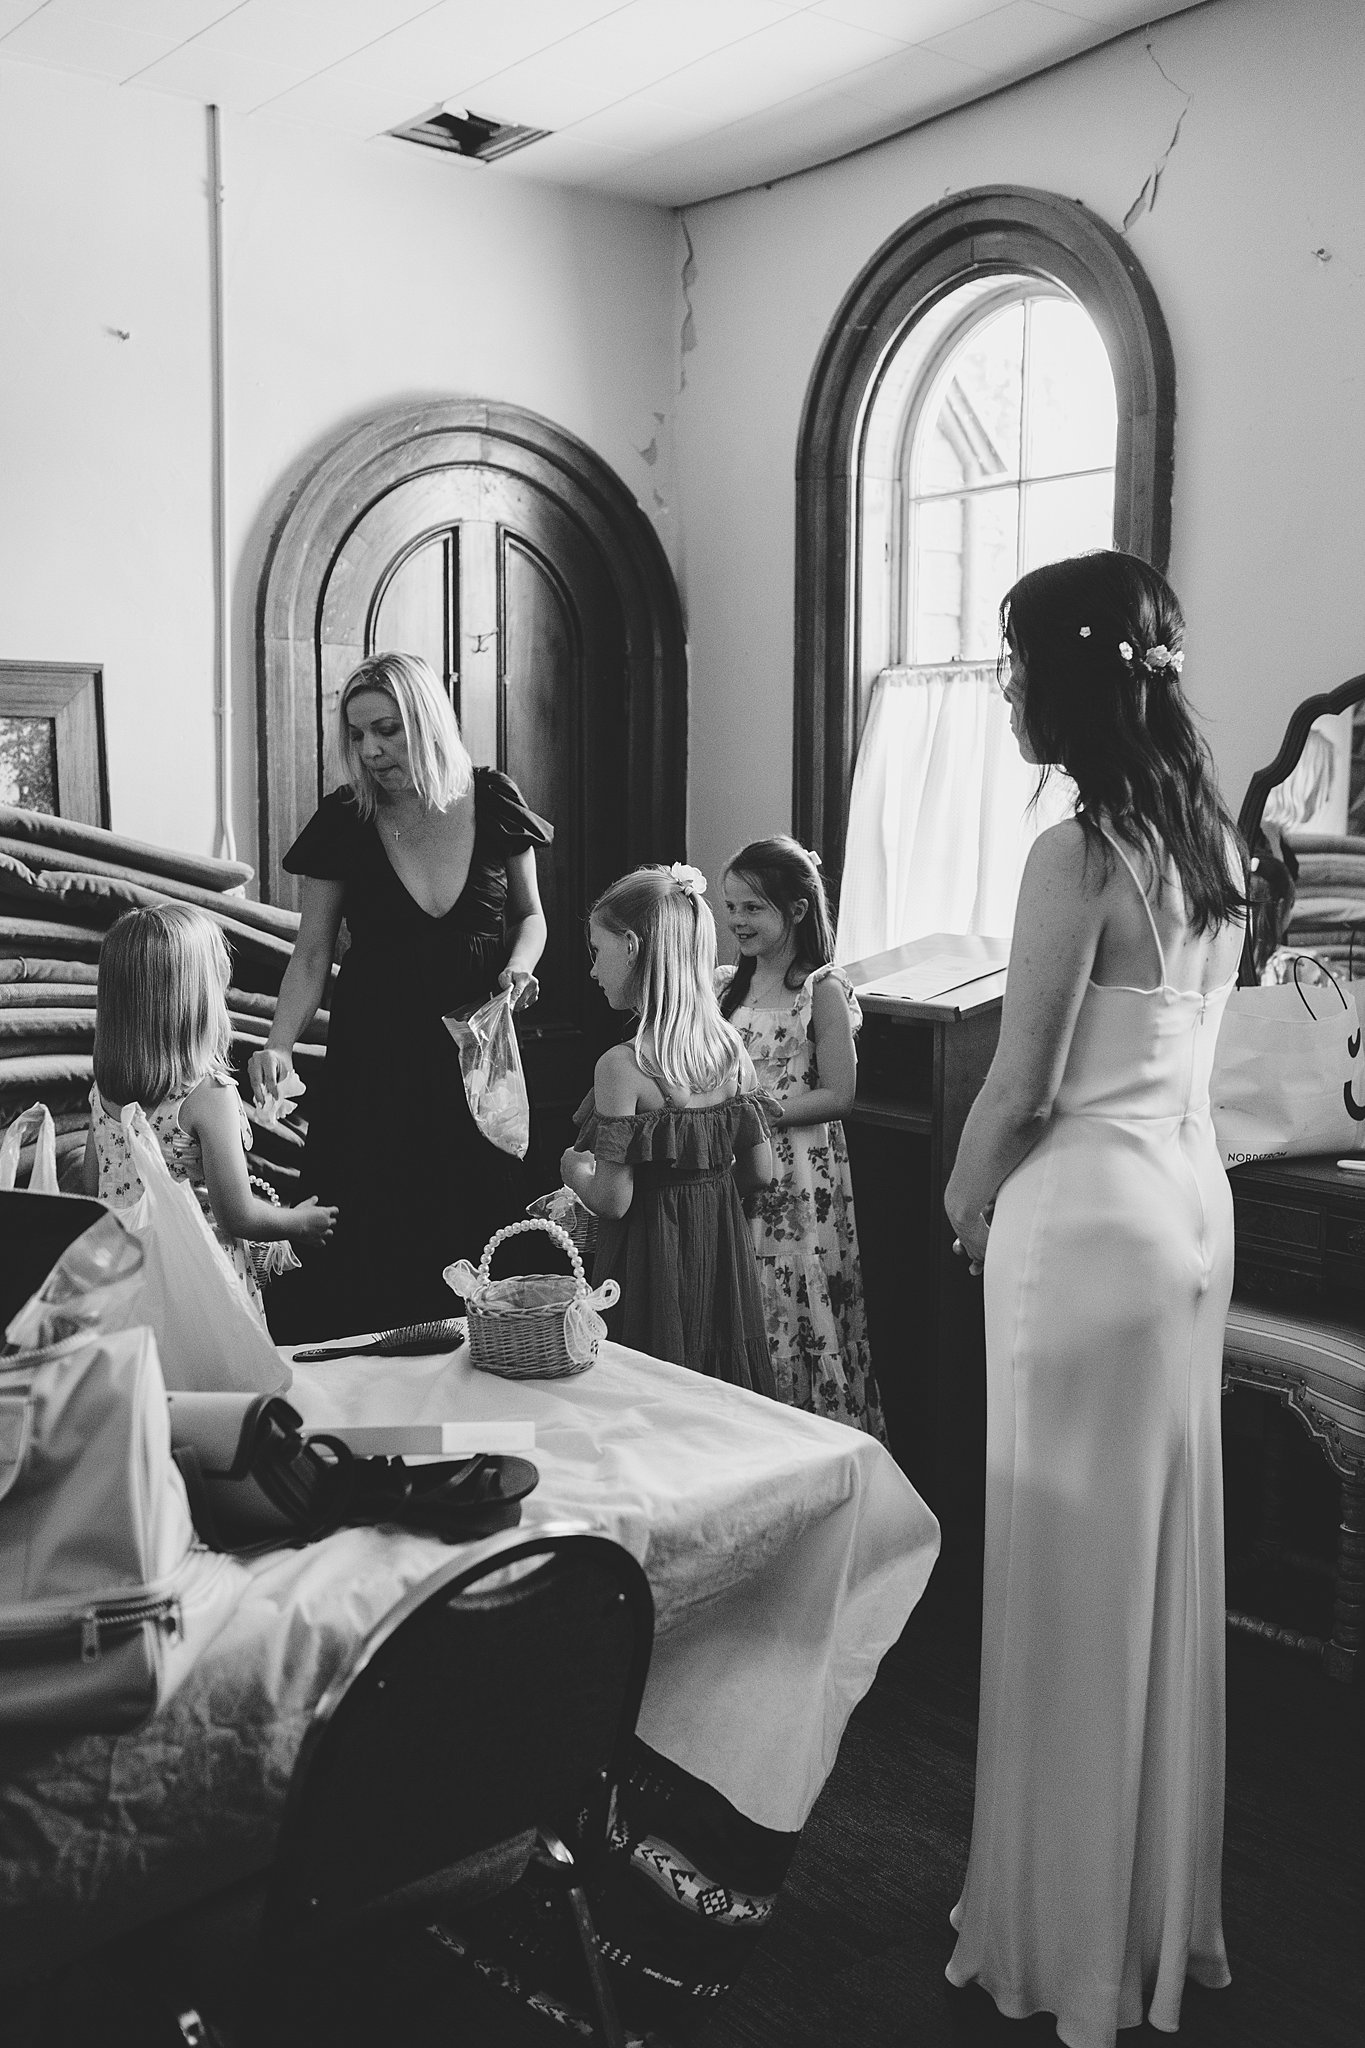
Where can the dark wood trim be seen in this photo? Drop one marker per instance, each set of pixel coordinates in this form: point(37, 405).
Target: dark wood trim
point(388, 450)
point(995, 229)
point(71, 694)
point(1291, 746)
point(1264, 780)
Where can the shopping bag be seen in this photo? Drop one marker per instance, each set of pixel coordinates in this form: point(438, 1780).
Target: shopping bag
point(105, 1597)
point(208, 1334)
point(1289, 1075)
point(490, 1062)
point(33, 1123)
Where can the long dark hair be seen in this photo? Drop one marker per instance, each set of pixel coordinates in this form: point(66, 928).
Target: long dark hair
point(1100, 638)
point(785, 875)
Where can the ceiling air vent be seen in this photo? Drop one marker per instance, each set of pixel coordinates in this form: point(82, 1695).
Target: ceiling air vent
point(467, 134)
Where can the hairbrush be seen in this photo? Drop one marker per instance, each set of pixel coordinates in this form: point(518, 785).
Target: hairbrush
point(406, 1341)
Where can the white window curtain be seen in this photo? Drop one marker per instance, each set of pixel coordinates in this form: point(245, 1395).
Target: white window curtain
point(939, 820)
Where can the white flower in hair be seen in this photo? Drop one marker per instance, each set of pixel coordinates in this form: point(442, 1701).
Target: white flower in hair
point(1161, 656)
point(690, 880)
point(1125, 651)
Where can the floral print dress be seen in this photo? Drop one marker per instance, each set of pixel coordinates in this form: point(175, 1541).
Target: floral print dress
point(803, 1229)
point(121, 1184)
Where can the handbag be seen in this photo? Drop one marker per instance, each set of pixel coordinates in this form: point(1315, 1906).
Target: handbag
point(208, 1333)
point(255, 1480)
point(37, 1123)
point(105, 1597)
point(1288, 1080)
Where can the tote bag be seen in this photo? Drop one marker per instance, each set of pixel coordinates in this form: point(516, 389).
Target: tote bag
point(1289, 1074)
point(105, 1597)
point(208, 1334)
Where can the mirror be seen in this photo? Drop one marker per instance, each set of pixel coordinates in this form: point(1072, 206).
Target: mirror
point(1303, 819)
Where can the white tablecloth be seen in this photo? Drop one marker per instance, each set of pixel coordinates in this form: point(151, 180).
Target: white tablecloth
point(785, 1554)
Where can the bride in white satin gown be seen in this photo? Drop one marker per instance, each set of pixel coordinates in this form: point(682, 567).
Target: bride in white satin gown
point(1093, 1886)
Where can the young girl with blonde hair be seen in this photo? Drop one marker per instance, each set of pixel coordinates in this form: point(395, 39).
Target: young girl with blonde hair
point(162, 1040)
point(671, 1135)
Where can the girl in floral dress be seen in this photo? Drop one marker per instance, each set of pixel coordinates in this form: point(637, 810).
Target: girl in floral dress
point(797, 1015)
point(163, 1039)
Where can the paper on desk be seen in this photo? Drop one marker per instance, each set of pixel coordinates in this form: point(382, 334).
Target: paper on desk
point(427, 1439)
point(927, 970)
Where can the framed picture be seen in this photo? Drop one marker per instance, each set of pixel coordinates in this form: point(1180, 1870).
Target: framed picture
point(52, 740)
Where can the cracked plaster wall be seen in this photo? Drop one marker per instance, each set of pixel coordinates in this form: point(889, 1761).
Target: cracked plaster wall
point(1255, 243)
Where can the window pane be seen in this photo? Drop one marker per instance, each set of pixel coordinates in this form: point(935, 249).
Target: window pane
point(1073, 413)
point(964, 556)
point(28, 763)
point(1067, 517)
point(973, 432)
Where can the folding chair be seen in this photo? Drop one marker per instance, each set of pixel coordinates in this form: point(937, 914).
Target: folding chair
point(481, 1725)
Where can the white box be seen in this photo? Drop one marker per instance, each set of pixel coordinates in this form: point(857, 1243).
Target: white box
point(432, 1439)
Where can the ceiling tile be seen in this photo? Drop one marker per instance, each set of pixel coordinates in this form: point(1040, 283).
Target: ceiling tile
point(239, 84)
point(12, 12)
point(173, 21)
point(916, 84)
point(563, 159)
point(1116, 15)
point(307, 35)
point(347, 105)
point(641, 124)
point(649, 39)
point(1019, 34)
point(73, 42)
point(906, 21)
point(539, 93)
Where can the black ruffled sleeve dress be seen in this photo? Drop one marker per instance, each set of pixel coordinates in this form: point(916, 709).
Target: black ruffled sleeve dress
point(390, 1137)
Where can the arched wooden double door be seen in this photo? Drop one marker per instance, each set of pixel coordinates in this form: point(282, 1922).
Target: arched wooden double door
point(515, 561)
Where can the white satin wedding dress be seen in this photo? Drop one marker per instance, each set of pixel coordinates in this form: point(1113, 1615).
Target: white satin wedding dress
point(1093, 1886)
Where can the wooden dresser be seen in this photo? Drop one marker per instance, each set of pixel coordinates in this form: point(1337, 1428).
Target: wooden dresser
point(926, 1042)
point(1301, 1234)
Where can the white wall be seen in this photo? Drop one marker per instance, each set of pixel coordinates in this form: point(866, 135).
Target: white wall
point(1269, 507)
point(357, 275)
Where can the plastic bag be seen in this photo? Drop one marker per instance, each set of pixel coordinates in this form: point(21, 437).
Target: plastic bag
point(494, 1084)
point(208, 1334)
point(36, 1122)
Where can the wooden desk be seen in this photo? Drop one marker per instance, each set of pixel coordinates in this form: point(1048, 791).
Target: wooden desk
point(921, 1062)
point(1300, 1227)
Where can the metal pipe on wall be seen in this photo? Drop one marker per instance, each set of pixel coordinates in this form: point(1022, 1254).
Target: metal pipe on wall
point(225, 844)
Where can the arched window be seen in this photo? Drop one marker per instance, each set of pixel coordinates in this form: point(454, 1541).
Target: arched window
point(996, 390)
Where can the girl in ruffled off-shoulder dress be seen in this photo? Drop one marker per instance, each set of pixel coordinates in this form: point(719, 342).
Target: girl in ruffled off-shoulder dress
point(797, 1014)
point(671, 1136)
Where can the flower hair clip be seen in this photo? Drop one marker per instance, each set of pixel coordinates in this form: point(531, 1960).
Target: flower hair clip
point(690, 880)
point(1156, 658)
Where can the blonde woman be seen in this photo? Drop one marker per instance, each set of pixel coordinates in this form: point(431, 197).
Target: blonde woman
point(163, 1039)
point(672, 1135)
point(431, 862)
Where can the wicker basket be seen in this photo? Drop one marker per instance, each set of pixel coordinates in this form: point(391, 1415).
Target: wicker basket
point(516, 1326)
point(563, 1207)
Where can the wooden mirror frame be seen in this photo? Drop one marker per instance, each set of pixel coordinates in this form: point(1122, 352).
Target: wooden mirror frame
point(997, 229)
point(373, 460)
point(1301, 722)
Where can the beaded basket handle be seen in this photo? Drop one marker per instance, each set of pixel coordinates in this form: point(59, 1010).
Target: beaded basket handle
point(561, 1238)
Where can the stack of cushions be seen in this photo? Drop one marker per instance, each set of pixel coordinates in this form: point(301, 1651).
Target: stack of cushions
point(1328, 918)
point(62, 885)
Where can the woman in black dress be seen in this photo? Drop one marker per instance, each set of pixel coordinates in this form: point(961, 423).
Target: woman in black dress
point(431, 862)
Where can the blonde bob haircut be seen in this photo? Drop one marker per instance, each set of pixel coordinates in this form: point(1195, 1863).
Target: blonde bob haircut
point(437, 757)
point(161, 1016)
point(682, 1040)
